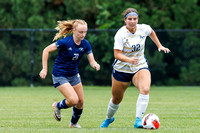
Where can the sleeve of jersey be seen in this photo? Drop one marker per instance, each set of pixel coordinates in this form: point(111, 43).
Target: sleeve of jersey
point(89, 48)
point(148, 30)
point(118, 41)
point(59, 43)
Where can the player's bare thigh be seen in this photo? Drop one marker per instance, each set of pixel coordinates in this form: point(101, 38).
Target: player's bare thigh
point(142, 81)
point(118, 89)
point(69, 93)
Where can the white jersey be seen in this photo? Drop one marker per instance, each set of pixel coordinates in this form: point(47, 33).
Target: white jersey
point(131, 45)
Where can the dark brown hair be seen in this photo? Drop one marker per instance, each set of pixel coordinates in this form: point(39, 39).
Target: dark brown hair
point(128, 10)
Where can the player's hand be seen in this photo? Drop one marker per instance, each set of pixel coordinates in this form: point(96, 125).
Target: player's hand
point(166, 50)
point(43, 73)
point(97, 67)
point(133, 61)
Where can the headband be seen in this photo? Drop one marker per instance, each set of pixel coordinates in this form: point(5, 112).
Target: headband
point(131, 14)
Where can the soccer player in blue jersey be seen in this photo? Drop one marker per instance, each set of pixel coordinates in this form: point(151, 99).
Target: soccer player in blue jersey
point(65, 72)
point(130, 65)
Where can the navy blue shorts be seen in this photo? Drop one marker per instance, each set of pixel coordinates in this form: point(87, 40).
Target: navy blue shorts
point(124, 77)
point(74, 80)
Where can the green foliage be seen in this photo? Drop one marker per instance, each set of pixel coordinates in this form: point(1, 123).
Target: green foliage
point(190, 74)
point(100, 14)
point(180, 67)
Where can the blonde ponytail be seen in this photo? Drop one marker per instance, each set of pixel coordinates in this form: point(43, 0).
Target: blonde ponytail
point(66, 27)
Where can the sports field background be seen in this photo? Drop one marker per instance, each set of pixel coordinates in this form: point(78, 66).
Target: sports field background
point(26, 109)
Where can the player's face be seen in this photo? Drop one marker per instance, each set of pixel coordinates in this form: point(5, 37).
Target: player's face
point(80, 31)
point(131, 21)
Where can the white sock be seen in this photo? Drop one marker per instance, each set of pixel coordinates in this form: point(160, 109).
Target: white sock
point(141, 105)
point(112, 109)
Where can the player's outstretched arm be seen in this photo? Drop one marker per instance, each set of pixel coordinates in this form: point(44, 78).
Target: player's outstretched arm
point(45, 55)
point(92, 62)
point(155, 39)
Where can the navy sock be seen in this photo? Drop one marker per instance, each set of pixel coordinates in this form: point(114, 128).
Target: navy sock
point(76, 114)
point(62, 104)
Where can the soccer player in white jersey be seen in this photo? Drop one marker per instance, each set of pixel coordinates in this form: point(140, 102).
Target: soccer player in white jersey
point(65, 73)
point(130, 65)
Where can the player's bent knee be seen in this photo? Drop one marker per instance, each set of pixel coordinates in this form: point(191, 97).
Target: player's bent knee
point(117, 100)
point(145, 90)
point(80, 104)
point(73, 101)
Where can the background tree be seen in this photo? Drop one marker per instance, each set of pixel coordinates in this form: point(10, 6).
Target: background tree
point(104, 18)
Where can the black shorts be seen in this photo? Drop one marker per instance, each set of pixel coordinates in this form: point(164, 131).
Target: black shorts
point(124, 77)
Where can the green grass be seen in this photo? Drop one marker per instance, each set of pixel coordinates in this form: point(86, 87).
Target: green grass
point(25, 109)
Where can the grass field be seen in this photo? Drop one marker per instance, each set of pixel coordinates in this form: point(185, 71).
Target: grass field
point(26, 109)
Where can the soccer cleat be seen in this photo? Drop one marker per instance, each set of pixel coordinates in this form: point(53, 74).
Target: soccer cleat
point(107, 122)
point(138, 123)
point(71, 125)
point(56, 110)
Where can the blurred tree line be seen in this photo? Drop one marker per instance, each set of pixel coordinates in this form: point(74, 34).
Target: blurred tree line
point(104, 18)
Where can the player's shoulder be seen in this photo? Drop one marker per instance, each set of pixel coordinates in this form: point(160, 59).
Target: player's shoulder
point(68, 38)
point(85, 43)
point(121, 31)
point(143, 26)
point(85, 40)
point(67, 41)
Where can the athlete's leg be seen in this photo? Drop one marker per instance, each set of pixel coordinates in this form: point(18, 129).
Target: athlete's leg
point(142, 81)
point(69, 93)
point(118, 89)
point(71, 99)
point(78, 108)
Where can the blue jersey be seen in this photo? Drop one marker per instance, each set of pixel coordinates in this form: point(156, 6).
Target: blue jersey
point(69, 55)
